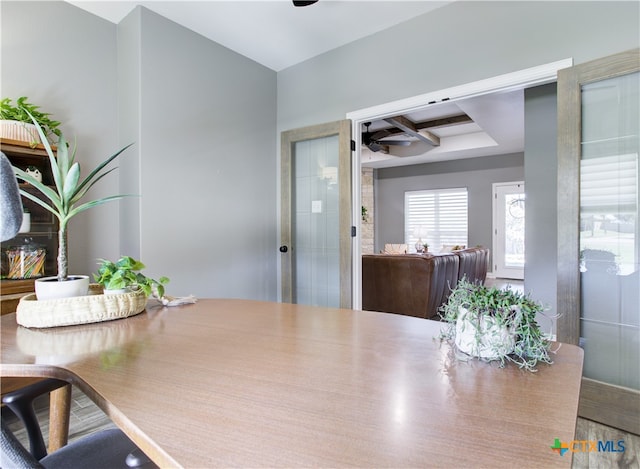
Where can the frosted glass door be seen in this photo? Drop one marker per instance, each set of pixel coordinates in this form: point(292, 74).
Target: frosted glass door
point(315, 223)
point(598, 243)
point(610, 282)
point(316, 215)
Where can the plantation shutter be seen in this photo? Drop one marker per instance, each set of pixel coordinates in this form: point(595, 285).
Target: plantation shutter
point(438, 216)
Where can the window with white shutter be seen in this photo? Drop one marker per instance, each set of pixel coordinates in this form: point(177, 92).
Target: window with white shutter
point(438, 217)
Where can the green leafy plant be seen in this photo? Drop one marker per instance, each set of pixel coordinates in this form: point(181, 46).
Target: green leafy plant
point(365, 216)
point(23, 111)
point(64, 199)
point(503, 307)
point(125, 273)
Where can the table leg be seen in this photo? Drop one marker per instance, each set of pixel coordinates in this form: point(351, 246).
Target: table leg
point(59, 414)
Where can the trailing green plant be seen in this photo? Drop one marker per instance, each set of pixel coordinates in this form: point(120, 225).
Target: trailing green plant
point(63, 200)
point(365, 216)
point(23, 111)
point(505, 307)
point(126, 273)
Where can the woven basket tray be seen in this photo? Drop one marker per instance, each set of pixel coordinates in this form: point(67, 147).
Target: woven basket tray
point(94, 307)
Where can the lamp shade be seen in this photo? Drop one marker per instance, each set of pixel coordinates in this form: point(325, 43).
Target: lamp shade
point(420, 231)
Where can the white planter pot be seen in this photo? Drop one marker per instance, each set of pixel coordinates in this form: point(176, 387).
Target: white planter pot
point(22, 131)
point(485, 338)
point(48, 288)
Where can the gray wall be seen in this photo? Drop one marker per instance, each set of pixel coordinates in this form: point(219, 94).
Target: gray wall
point(450, 47)
point(129, 64)
point(211, 185)
point(453, 45)
point(540, 169)
point(207, 165)
point(476, 174)
point(76, 81)
point(203, 120)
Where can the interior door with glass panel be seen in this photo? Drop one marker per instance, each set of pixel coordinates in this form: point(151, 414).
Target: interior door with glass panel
point(508, 230)
point(598, 232)
point(316, 210)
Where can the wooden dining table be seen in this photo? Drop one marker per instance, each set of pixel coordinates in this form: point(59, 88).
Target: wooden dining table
point(242, 383)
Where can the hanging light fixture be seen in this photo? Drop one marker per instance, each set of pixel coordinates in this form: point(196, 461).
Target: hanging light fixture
point(303, 3)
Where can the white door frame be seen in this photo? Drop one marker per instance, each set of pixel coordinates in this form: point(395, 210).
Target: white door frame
point(521, 79)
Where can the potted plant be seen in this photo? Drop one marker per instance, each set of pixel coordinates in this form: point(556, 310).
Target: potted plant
point(63, 200)
point(19, 118)
point(495, 324)
point(125, 275)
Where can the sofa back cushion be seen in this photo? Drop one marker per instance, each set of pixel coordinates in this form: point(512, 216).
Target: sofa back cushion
point(395, 249)
point(445, 277)
point(413, 285)
point(398, 284)
point(473, 264)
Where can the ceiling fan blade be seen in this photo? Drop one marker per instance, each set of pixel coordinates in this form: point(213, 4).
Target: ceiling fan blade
point(375, 146)
point(402, 143)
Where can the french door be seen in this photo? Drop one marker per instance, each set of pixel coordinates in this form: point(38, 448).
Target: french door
point(508, 230)
point(598, 232)
point(316, 234)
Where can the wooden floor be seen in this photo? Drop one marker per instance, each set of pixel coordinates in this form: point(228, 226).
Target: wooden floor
point(586, 430)
point(86, 418)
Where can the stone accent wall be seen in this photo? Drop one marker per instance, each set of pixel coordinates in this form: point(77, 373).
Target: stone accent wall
point(367, 235)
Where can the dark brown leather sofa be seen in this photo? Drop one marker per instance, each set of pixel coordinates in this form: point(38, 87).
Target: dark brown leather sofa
point(415, 284)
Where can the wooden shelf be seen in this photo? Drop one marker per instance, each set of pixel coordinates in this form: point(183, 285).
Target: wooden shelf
point(13, 286)
point(44, 226)
point(12, 290)
point(22, 146)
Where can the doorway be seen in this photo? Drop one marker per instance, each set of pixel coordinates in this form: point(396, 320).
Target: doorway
point(316, 215)
point(508, 230)
point(512, 81)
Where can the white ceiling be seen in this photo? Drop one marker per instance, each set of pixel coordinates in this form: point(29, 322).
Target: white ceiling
point(274, 33)
point(278, 35)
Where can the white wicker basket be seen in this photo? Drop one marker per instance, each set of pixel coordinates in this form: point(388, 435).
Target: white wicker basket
point(94, 307)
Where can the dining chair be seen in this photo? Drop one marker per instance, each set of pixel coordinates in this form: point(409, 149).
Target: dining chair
point(107, 449)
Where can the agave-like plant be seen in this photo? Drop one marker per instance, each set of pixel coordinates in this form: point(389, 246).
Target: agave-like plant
point(63, 200)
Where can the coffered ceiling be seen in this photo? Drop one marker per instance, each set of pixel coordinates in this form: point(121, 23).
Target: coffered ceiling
point(484, 125)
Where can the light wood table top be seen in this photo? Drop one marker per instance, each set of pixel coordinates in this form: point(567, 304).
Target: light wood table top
point(236, 383)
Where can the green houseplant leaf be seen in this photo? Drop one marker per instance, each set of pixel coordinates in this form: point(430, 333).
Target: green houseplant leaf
point(63, 200)
point(23, 111)
point(514, 310)
point(126, 273)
